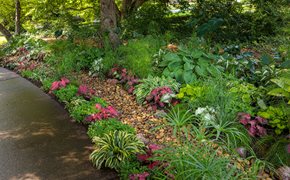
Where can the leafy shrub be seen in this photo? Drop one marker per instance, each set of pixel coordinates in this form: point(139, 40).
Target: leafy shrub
point(136, 56)
point(85, 92)
point(100, 128)
point(186, 66)
point(278, 118)
point(66, 94)
point(114, 148)
point(146, 86)
point(190, 93)
point(283, 89)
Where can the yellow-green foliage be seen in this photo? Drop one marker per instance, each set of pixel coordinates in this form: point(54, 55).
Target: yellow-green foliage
point(2, 40)
point(277, 118)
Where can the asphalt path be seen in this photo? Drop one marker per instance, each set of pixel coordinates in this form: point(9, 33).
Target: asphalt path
point(37, 138)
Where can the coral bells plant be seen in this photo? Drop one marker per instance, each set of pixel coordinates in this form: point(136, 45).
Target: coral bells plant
point(140, 176)
point(104, 113)
point(124, 77)
point(145, 158)
point(254, 125)
point(56, 85)
point(85, 92)
point(159, 97)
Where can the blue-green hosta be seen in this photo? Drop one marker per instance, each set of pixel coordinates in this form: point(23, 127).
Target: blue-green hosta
point(114, 148)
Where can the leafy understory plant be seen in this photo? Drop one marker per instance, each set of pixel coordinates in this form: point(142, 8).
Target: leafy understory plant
point(85, 92)
point(96, 67)
point(255, 126)
point(147, 85)
point(102, 113)
point(179, 119)
point(114, 148)
point(206, 114)
point(67, 93)
point(99, 128)
point(59, 84)
point(159, 97)
point(283, 89)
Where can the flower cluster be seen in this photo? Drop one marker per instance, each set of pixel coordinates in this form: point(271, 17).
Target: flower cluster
point(59, 84)
point(159, 97)
point(85, 92)
point(254, 125)
point(104, 113)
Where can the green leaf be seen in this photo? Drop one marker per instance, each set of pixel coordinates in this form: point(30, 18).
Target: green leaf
point(196, 54)
point(279, 92)
point(286, 64)
point(266, 59)
point(169, 58)
point(188, 77)
point(188, 66)
point(200, 71)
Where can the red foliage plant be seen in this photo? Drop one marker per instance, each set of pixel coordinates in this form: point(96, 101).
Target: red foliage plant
point(154, 98)
point(124, 77)
point(104, 113)
point(254, 125)
point(59, 84)
point(140, 176)
point(85, 92)
point(149, 154)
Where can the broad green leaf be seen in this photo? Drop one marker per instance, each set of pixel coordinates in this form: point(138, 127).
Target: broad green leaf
point(279, 92)
point(286, 64)
point(188, 66)
point(266, 59)
point(200, 71)
point(169, 58)
point(196, 54)
point(188, 76)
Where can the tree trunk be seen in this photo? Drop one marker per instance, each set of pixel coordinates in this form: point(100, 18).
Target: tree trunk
point(110, 16)
point(17, 17)
point(5, 32)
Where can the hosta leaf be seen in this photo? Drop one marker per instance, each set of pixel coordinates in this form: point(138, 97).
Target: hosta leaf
point(200, 71)
point(266, 59)
point(196, 54)
point(286, 64)
point(188, 66)
point(188, 77)
point(279, 92)
point(169, 58)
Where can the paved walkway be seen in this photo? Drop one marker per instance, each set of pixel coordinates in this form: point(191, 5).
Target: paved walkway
point(37, 138)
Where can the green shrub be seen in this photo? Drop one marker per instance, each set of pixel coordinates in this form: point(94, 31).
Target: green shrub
point(148, 84)
point(115, 148)
point(66, 94)
point(137, 55)
point(100, 128)
point(187, 65)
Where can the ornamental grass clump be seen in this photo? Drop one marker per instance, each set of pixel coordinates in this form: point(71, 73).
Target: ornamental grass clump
point(115, 148)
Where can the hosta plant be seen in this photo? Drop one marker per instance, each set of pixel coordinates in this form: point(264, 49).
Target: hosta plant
point(283, 89)
point(146, 86)
point(115, 148)
point(99, 128)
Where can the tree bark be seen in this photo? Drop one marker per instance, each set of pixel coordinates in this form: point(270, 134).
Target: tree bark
point(110, 16)
point(5, 32)
point(17, 17)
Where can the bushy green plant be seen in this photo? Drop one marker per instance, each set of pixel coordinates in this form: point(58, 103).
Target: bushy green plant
point(100, 128)
point(146, 85)
point(115, 148)
point(79, 108)
point(190, 93)
point(278, 118)
point(66, 94)
point(198, 161)
point(274, 149)
point(131, 166)
point(186, 66)
point(180, 120)
point(136, 56)
point(283, 89)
